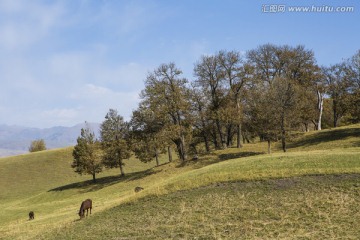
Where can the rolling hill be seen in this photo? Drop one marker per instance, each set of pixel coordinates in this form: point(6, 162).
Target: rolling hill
point(15, 140)
point(312, 192)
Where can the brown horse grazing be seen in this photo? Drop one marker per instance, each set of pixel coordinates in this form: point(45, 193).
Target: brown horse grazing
point(31, 215)
point(85, 205)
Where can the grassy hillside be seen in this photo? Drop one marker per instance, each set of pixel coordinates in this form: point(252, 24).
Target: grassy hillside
point(298, 207)
point(45, 183)
point(342, 137)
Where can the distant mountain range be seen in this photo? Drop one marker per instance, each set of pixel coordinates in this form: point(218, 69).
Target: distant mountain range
point(16, 140)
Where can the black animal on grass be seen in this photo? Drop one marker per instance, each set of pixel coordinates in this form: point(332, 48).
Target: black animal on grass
point(31, 215)
point(138, 189)
point(85, 205)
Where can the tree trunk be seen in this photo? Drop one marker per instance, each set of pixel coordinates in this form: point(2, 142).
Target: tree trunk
point(335, 113)
point(238, 133)
point(229, 140)
point(207, 147)
point(269, 146)
point(157, 157)
point(94, 179)
point(121, 168)
point(183, 150)
point(283, 132)
point(320, 108)
point(283, 142)
point(218, 125)
point(245, 137)
point(170, 153)
point(206, 141)
point(315, 125)
point(216, 144)
point(306, 125)
point(180, 145)
point(238, 130)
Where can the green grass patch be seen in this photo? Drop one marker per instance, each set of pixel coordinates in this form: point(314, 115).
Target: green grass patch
point(342, 137)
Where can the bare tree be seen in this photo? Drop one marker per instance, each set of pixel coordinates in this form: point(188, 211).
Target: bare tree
point(210, 78)
point(338, 81)
point(237, 75)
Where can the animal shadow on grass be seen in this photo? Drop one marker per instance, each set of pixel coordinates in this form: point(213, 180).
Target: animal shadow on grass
point(90, 186)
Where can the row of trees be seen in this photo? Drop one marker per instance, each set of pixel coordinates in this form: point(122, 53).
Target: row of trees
point(268, 92)
point(91, 154)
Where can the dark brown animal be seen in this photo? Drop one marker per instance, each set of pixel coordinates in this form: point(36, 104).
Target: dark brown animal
point(85, 205)
point(31, 215)
point(138, 189)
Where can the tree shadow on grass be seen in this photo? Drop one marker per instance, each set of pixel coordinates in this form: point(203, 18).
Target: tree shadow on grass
point(328, 136)
point(214, 158)
point(90, 186)
point(228, 156)
point(200, 161)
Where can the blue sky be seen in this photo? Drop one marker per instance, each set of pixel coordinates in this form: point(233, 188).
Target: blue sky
point(68, 61)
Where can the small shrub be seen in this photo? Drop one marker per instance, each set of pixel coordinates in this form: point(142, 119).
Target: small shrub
point(37, 145)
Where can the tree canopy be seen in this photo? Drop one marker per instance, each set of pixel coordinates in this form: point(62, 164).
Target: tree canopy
point(114, 133)
point(87, 154)
point(267, 92)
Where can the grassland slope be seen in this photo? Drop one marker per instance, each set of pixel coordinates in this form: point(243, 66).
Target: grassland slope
point(45, 183)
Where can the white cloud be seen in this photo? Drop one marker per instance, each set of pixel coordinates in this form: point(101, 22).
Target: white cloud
point(69, 67)
point(128, 76)
point(198, 48)
point(61, 113)
point(58, 69)
point(133, 17)
point(27, 22)
point(40, 117)
point(130, 17)
point(72, 87)
point(94, 99)
point(91, 66)
point(97, 91)
point(11, 6)
point(60, 117)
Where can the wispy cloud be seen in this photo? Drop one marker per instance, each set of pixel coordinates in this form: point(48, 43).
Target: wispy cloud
point(25, 23)
point(93, 99)
point(59, 117)
point(62, 62)
point(78, 89)
point(65, 61)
